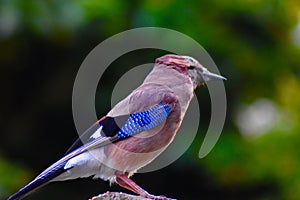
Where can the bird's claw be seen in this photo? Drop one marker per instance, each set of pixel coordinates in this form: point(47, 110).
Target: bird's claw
point(160, 197)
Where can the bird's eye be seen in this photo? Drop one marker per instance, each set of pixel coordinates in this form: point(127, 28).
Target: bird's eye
point(191, 67)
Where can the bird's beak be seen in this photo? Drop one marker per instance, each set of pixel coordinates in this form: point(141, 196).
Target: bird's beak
point(200, 76)
point(208, 76)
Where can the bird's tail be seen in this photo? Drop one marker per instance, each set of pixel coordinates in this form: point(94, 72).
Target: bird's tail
point(41, 180)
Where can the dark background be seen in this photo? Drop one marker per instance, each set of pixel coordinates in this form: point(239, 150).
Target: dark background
point(255, 44)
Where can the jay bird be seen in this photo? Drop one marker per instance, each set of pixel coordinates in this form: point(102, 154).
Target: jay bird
point(134, 132)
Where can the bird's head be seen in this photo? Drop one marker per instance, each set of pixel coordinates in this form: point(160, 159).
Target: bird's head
point(189, 66)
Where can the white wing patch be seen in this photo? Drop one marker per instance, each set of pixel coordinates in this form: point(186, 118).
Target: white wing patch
point(78, 160)
point(97, 133)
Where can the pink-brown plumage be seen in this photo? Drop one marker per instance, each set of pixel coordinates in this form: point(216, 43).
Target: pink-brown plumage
point(172, 82)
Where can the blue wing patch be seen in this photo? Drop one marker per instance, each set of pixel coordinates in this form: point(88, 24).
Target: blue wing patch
point(143, 121)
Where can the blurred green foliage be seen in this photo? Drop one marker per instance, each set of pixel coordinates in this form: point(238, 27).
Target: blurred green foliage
point(12, 176)
point(253, 42)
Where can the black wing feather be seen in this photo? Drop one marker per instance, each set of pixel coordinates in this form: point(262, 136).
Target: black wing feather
point(110, 127)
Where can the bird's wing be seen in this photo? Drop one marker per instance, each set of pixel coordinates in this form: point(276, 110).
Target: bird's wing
point(146, 107)
point(113, 129)
point(140, 100)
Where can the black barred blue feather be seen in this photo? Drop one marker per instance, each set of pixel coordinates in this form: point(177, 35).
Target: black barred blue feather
point(143, 121)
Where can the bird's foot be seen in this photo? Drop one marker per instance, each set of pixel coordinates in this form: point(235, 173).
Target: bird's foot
point(126, 182)
point(154, 197)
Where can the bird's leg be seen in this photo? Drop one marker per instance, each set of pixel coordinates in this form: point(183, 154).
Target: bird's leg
point(127, 183)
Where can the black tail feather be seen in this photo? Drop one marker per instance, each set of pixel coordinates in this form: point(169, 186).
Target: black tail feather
point(41, 180)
